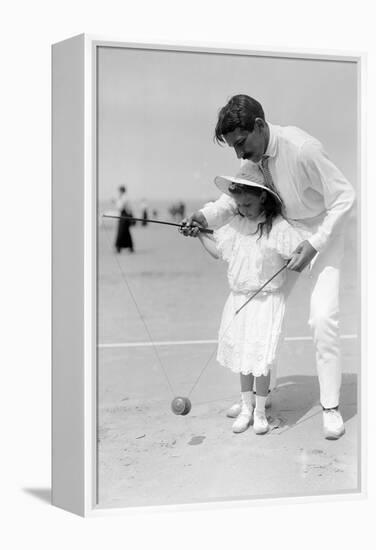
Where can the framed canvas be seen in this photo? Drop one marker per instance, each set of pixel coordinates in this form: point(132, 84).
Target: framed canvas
point(140, 401)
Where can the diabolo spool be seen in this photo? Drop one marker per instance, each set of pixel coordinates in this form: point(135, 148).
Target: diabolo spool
point(181, 405)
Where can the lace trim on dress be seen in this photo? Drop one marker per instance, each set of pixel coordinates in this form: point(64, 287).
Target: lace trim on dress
point(258, 354)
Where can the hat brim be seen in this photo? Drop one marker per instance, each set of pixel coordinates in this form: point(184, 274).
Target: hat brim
point(223, 183)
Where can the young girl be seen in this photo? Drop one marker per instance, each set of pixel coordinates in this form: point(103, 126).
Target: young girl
point(256, 244)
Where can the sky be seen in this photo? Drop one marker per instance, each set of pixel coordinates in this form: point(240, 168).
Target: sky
point(157, 112)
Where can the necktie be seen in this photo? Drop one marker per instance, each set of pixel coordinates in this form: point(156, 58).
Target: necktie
point(264, 167)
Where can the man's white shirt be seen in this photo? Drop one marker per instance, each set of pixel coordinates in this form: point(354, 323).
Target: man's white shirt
point(313, 189)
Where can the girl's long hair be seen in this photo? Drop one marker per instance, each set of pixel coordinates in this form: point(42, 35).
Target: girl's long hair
point(272, 207)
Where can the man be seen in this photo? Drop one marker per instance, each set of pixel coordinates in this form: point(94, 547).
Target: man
point(315, 193)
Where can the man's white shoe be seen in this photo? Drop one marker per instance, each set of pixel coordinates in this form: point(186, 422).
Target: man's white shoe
point(260, 423)
point(235, 409)
point(334, 427)
point(242, 422)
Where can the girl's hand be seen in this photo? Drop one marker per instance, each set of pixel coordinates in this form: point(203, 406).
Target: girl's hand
point(302, 256)
point(190, 231)
point(191, 224)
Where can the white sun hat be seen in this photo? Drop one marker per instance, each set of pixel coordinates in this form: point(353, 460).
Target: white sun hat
point(250, 175)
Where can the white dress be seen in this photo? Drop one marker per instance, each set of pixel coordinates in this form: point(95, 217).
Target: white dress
point(248, 341)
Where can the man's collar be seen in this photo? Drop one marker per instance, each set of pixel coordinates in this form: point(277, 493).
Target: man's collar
point(271, 149)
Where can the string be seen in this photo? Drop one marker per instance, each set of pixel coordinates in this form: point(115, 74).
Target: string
point(140, 315)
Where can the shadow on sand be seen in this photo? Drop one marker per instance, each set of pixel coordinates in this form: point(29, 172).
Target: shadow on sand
point(295, 396)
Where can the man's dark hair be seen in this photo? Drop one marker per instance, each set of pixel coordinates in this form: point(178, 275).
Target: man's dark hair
point(272, 207)
point(240, 111)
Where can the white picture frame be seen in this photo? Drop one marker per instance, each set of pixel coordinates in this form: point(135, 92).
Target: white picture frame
point(74, 290)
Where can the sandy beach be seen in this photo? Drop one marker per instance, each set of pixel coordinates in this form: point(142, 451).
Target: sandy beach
point(159, 311)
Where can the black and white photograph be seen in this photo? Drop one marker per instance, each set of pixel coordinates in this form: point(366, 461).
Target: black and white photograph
point(187, 275)
point(228, 288)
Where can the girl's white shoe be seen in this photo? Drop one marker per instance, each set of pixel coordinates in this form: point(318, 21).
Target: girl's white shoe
point(242, 422)
point(260, 423)
point(234, 410)
point(246, 413)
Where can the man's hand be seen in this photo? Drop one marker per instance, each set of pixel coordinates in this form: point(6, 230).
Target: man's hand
point(191, 224)
point(302, 256)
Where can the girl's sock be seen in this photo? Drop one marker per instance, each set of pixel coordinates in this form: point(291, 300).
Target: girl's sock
point(246, 398)
point(260, 404)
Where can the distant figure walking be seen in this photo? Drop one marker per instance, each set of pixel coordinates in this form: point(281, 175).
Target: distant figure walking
point(177, 211)
point(144, 212)
point(123, 237)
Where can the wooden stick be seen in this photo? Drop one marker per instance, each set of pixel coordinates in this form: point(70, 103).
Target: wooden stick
point(202, 229)
point(261, 287)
